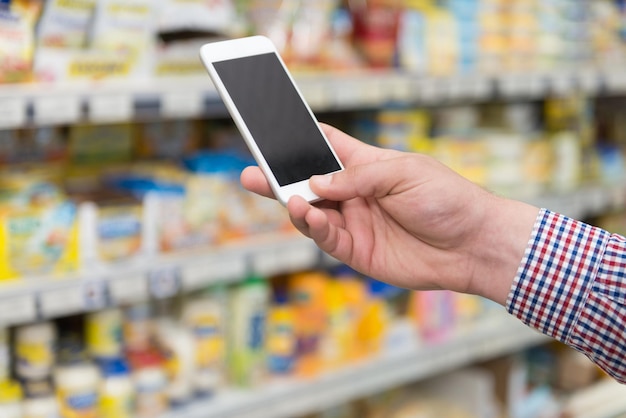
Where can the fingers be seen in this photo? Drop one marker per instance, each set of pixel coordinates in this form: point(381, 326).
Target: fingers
point(376, 179)
point(324, 226)
point(252, 179)
point(298, 208)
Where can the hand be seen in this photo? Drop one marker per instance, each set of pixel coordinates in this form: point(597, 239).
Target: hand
point(408, 220)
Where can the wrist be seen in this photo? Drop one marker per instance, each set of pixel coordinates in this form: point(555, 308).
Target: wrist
point(501, 242)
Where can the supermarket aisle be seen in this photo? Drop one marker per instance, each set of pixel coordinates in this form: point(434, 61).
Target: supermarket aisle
point(139, 279)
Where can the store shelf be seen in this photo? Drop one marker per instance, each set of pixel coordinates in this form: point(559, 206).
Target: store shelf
point(110, 101)
point(407, 362)
point(604, 399)
point(162, 276)
point(152, 277)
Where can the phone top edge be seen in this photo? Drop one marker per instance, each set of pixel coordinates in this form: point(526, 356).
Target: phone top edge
point(236, 48)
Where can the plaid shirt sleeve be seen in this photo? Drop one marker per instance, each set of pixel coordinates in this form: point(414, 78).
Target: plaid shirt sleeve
point(571, 285)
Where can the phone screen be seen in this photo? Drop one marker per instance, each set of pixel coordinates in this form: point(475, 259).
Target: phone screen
point(275, 115)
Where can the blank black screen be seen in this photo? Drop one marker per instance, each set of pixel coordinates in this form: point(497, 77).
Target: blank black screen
point(280, 123)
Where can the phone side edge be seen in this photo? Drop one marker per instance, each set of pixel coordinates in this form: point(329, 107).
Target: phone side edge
point(243, 130)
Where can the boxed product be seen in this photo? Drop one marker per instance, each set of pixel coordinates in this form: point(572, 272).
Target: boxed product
point(112, 225)
point(32, 145)
point(120, 41)
point(38, 227)
point(17, 39)
point(65, 23)
point(198, 15)
point(128, 28)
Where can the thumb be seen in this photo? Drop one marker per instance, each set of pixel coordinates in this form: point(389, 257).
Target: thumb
point(375, 179)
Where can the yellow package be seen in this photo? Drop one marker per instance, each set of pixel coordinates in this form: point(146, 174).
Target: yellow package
point(119, 231)
point(58, 64)
point(38, 228)
point(30, 188)
point(405, 130)
point(281, 338)
point(17, 39)
point(38, 241)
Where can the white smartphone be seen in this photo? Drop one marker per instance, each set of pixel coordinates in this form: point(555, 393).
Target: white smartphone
point(270, 112)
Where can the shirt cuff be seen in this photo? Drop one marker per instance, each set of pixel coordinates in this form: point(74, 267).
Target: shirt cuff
point(555, 275)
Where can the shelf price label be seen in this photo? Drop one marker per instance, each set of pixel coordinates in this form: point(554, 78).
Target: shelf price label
point(346, 94)
point(110, 107)
point(399, 88)
point(615, 80)
point(372, 92)
point(478, 87)
point(266, 262)
point(297, 256)
point(57, 109)
point(522, 85)
point(129, 290)
point(589, 81)
point(433, 91)
point(469, 86)
point(12, 112)
point(315, 94)
point(213, 269)
point(456, 88)
point(562, 83)
point(350, 92)
point(18, 309)
point(182, 104)
point(289, 256)
point(63, 301)
point(164, 282)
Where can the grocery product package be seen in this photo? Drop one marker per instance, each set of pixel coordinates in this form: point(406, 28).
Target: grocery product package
point(38, 227)
point(32, 145)
point(92, 148)
point(249, 304)
point(205, 315)
point(215, 16)
point(120, 43)
point(184, 26)
point(65, 23)
point(111, 225)
point(179, 58)
point(17, 39)
point(126, 27)
point(376, 26)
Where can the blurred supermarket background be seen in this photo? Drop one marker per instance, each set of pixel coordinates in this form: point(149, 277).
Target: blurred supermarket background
point(137, 279)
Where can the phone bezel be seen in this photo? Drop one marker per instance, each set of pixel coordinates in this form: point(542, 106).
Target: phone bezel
point(245, 47)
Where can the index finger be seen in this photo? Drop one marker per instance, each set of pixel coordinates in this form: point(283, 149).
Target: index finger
point(352, 151)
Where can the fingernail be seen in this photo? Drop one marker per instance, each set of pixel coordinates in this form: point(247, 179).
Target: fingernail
point(321, 181)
